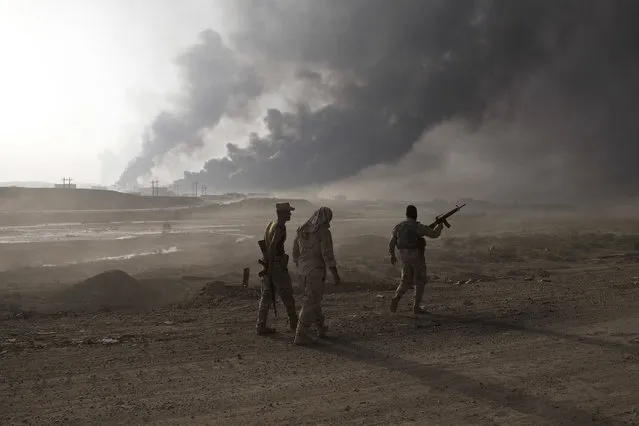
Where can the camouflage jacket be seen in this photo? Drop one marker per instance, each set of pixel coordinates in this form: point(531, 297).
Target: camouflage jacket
point(314, 250)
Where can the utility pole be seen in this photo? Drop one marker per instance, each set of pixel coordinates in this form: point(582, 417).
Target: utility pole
point(154, 187)
point(195, 189)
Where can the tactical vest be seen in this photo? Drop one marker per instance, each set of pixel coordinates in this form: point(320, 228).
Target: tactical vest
point(270, 234)
point(407, 236)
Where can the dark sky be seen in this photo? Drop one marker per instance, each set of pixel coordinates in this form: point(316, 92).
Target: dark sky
point(538, 97)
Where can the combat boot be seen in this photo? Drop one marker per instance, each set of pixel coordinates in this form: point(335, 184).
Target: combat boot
point(262, 330)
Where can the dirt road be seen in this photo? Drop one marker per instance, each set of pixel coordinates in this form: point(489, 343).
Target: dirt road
point(560, 351)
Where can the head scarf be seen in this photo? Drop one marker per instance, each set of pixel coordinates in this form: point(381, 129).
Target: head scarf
point(322, 216)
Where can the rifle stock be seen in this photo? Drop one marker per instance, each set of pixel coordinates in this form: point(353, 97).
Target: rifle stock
point(264, 262)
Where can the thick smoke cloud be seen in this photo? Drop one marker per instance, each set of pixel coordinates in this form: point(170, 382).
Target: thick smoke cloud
point(541, 94)
point(216, 83)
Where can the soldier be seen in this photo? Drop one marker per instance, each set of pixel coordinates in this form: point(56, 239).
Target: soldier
point(313, 254)
point(408, 237)
point(277, 261)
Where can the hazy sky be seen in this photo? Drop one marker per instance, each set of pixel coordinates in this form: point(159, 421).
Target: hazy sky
point(79, 77)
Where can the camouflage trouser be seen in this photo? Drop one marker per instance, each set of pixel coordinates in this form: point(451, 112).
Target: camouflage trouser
point(314, 283)
point(413, 273)
point(284, 286)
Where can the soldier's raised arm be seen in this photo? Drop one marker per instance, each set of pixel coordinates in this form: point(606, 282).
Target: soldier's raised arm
point(427, 231)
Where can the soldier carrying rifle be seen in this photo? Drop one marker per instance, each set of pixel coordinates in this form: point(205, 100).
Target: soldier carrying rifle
point(276, 277)
point(408, 237)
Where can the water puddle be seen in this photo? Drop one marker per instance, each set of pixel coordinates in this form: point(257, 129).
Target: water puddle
point(128, 256)
point(17, 235)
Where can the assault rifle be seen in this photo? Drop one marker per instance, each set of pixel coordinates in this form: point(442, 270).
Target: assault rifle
point(442, 218)
point(264, 262)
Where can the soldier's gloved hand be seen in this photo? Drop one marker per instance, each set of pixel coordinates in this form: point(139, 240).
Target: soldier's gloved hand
point(393, 260)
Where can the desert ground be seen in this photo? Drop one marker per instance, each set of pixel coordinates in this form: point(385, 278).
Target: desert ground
point(109, 317)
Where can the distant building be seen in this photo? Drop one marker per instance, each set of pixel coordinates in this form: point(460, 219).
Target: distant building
point(65, 185)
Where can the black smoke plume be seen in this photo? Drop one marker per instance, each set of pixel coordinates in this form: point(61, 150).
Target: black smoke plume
point(216, 83)
point(545, 91)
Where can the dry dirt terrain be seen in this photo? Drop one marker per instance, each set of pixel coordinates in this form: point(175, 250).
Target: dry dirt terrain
point(534, 320)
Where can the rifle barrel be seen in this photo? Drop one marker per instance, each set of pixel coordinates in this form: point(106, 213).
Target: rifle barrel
point(442, 218)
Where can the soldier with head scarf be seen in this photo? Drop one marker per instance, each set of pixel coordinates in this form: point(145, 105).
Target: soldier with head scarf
point(313, 254)
point(277, 260)
point(408, 237)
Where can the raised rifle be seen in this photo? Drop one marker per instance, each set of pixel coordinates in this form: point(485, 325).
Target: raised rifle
point(264, 262)
point(442, 218)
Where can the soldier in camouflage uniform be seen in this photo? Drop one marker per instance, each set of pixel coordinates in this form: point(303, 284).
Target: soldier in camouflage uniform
point(408, 237)
point(277, 259)
point(313, 254)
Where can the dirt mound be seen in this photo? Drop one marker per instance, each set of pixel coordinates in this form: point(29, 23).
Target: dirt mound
point(215, 292)
point(110, 289)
